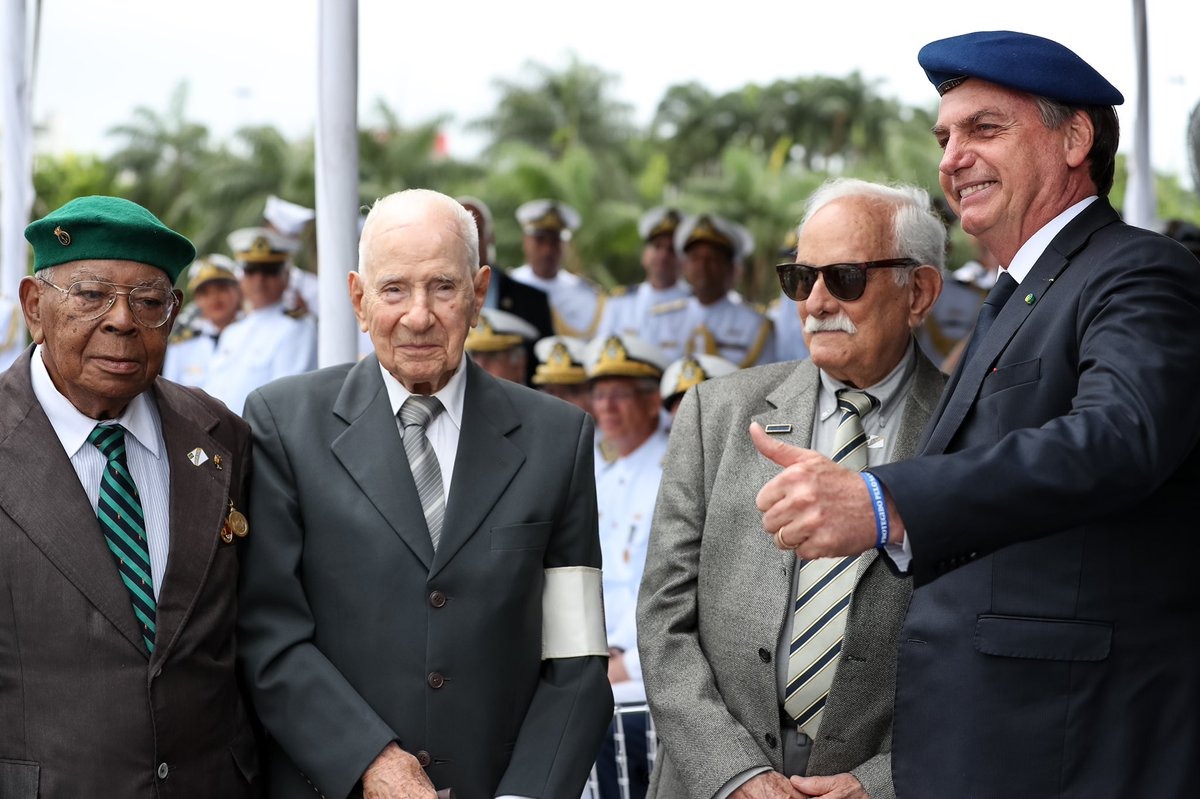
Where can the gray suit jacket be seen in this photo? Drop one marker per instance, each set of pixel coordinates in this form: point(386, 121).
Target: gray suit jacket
point(84, 710)
point(355, 632)
point(716, 594)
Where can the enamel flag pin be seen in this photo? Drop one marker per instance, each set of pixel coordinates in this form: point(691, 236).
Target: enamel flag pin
point(197, 456)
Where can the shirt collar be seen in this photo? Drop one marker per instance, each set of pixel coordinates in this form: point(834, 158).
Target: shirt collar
point(73, 427)
point(451, 395)
point(887, 391)
point(1032, 250)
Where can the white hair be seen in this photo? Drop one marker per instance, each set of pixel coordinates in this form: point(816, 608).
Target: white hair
point(417, 199)
point(917, 230)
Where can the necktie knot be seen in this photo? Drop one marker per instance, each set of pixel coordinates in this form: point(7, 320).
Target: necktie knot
point(858, 403)
point(109, 439)
point(419, 410)
point(1005, 285)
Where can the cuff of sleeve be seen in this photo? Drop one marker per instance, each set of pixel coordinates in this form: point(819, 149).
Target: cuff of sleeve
point(737, 781)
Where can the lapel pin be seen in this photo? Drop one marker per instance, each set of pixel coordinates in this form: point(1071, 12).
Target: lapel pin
point(64, 238)
point(777, 429)
point(1029, 298)
point(217, 462)
point(197, 456)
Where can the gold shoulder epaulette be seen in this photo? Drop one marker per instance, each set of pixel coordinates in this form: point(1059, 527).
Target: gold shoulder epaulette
point(297, 313)
point(182, 334)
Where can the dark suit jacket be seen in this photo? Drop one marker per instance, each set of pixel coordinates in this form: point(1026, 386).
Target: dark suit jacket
point(1052, 647)
point(717, 591)
point(84, 710)
point(531, 304)
point(355, 633)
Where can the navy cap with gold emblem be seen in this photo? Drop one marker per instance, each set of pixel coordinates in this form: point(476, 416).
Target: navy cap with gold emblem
point(498, 331)
point(659, 221)
point(260, 245)
point(624, 356)
point(560, 361)
point(689, 371)
point(100, 228)
point(715, 230)
point(548, 216)
point(1018, 61)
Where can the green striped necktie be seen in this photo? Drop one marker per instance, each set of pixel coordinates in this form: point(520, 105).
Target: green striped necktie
point(124, 526)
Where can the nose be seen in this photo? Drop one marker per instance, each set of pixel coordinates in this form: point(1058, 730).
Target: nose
point(955, 156)
point(418, 317)
point(820, 302)
point(119, 316)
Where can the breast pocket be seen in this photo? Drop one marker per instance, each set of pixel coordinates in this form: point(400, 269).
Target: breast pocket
point(19, 779)
point(531, 535)
point(1042, 639)
point(1011, 376)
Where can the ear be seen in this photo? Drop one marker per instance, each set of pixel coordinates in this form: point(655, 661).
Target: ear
point(357, 293)
point(483, 279)
point(925, 284)
point(1079, 133)
point(30, 293)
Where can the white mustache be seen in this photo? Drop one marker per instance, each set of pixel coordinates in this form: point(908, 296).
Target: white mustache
point(838, 323)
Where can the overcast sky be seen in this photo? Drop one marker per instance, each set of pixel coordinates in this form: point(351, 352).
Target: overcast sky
point(254, 61)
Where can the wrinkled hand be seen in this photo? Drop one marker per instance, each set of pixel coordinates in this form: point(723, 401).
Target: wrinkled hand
point(814, 506)
point(839, 786)
point(395, 774)
point(768, 785)
point(616, 667)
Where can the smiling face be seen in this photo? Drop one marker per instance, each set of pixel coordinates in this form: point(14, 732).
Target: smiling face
point(98, 364)
point(1003, 171)
point(417, 296)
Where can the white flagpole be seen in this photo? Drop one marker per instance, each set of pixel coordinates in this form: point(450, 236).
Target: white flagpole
point(337, 177)
point(16, 163)
point(1140, 204)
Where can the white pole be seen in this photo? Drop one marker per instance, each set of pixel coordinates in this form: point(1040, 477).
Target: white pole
point(1140, 206)
point(337, 177)
point(16, 164)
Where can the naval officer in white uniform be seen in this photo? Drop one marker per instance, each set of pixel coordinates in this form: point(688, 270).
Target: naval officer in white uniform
point(576, 303)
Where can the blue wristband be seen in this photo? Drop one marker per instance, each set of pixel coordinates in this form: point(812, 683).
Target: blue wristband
point(879, 505)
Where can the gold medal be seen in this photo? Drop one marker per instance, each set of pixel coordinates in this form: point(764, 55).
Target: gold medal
point(236, 522)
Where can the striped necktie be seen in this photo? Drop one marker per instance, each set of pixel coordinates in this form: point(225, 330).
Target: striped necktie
point(415, 415)
point(825, 587)
point(119, 510)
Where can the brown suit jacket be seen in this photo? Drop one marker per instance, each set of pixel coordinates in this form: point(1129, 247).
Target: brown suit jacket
point(84, 710)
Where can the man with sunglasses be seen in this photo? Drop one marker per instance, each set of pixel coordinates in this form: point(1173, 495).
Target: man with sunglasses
point(739, 704)
point(120, 522)
point(1051, 645)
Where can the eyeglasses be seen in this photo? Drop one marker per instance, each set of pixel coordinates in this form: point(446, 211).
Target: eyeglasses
point(846, 282)
point(90, 299)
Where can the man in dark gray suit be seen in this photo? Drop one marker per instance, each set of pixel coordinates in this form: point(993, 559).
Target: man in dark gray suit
point(421, 606)
point(119, 531)
point(725, 620)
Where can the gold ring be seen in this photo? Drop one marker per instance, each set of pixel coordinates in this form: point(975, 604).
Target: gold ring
point(779, 539)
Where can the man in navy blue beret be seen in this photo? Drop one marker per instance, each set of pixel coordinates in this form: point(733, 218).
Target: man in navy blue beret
point(1051, 645)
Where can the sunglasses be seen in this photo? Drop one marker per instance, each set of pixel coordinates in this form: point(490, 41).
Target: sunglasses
point(845, 282)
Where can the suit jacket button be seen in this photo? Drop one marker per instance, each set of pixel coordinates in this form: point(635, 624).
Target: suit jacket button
point(436, 680)
point(764, 655)
point(437, 599)
point(423, 759)
point(163, 771)
point(771, 740)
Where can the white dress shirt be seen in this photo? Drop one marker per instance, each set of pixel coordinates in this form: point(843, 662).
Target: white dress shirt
point(443, 432)
point(145, 452)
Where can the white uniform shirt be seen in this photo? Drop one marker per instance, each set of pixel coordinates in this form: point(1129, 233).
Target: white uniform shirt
point(625, 494)
point(575, 304)
point(789, 330)
point(187, 360)
point(12, 342)
point(627, 314)
point(260, 347)
point(145, 453)
point(729, 328)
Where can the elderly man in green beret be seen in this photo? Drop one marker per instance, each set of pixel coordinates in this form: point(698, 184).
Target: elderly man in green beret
point(120, 520)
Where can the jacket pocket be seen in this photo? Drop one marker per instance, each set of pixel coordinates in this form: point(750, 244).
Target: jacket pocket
point(533, 535)
point(1042, 639)
point(1014, 374)
point(19, 779)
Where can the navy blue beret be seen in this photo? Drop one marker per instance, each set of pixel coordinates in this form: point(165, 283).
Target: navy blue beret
point(1018, 61)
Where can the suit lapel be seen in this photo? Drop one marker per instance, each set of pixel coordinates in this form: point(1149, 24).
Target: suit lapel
point(485, 464)
point(926, 394)
point(373, 453)
point(47, 502)
point(968, 380)
point(199, 503)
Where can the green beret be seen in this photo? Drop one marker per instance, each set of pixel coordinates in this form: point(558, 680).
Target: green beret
point(107, 228)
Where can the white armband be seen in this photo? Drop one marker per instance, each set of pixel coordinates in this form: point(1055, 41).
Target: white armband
point(573, 613)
